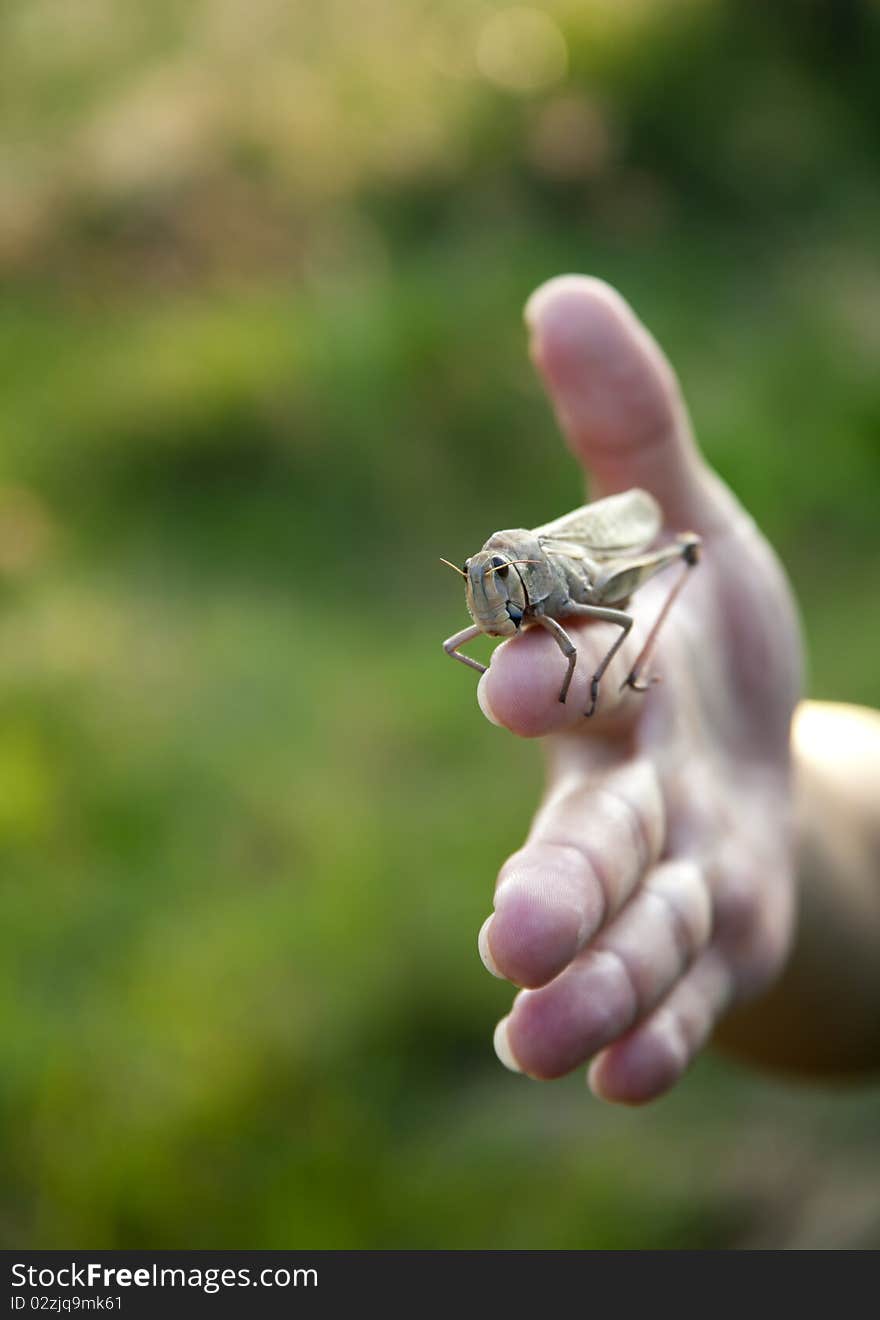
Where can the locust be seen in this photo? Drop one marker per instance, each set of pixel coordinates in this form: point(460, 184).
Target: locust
point(586, 565)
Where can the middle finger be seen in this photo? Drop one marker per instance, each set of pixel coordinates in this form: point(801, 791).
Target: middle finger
point(589, 848)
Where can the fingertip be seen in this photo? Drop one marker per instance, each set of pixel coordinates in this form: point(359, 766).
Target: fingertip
point(553, 293)
point(501, 1043)
point(590, 345)
point(650, 1059)
point(638, 1070)
point(485, 951)
point(596, 1080)
point(535, 931)
point(617, 397)
point(520, 691)
point(484, 700)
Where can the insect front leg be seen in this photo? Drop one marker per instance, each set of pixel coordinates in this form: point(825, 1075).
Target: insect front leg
point(566, 646)
point(459, 639)
point(619, 617)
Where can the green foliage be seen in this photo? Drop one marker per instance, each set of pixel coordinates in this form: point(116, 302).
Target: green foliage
point(262, 366)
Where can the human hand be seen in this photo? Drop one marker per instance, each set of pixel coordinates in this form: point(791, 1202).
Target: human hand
point(655, 888)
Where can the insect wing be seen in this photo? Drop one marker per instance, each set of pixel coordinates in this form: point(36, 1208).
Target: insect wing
point(620, 523)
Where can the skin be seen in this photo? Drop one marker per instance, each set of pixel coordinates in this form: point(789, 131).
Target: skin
point(656, 892)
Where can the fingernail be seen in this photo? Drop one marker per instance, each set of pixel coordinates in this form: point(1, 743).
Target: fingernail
point(593, 1079)
point(537, 299)
point(485, 952)
point(549, 290)
point(483, 700)
point(502, 1047)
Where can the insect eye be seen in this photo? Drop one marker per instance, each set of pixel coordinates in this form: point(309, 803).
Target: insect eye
point(499, 564)
point(464, 567)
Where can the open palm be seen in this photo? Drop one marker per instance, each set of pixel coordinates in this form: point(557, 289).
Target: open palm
point(655, 888)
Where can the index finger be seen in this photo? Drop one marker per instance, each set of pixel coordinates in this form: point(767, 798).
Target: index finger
point(520, 690)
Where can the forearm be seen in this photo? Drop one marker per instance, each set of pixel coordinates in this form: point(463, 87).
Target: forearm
point(823, 1014)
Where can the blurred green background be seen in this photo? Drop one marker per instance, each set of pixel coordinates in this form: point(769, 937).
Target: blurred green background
point(262, 363)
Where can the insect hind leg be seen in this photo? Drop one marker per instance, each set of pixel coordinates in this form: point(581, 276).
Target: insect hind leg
point(690, 546)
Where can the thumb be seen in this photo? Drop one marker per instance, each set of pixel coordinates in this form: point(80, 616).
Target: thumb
point(618, 401)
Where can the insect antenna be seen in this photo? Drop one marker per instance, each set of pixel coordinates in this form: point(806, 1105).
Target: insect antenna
point(507, 563)
point(454, 567)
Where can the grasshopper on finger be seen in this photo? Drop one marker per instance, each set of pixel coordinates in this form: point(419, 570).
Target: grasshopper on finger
point(586, 564)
